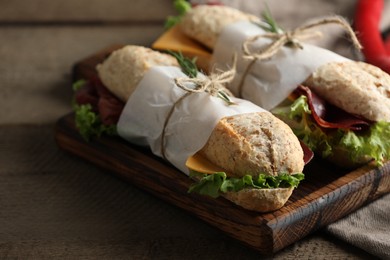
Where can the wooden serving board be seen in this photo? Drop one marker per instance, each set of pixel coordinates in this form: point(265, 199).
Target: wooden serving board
point(326, 195)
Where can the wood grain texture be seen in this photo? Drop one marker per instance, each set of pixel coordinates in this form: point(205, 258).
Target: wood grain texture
point(76, 11)
point(36, 64)
point(327, 194)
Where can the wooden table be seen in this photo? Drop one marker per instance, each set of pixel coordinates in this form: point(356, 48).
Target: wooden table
point(55, 205)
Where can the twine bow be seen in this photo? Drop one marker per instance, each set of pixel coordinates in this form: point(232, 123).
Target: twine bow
point(213, 84)
point(293, 38)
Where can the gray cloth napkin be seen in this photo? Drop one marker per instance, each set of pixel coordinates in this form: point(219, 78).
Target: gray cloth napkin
point(367, 228)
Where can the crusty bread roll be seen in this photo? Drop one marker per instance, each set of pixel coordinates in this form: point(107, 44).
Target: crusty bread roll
point(250, 143)
point(356, 87)
point(124, 68)
point(197, 23)
point(254, 143)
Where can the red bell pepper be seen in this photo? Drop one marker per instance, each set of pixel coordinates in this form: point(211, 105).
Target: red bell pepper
point(367, 18)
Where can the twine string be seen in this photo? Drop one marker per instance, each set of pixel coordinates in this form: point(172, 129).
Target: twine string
point(213, 84)
point(293, 38)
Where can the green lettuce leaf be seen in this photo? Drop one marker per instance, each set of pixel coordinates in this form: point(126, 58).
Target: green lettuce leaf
point(87, 121)
point(182, 7)
point(371, 143)
point(213, 184)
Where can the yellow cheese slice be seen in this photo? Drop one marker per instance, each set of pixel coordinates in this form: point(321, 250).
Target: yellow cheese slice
point(174, 40)
point(199, 163)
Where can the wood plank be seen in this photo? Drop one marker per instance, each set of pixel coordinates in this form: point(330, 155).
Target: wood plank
point(85, 11)
point(36, 63)
point(327, 194)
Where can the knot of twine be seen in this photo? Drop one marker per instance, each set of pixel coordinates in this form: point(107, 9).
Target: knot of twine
point(213, 84)
point(289, 37)
point(294, 37)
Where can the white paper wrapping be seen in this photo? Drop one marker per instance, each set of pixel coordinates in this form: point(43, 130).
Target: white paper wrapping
point(269, 82)
point(190, 125)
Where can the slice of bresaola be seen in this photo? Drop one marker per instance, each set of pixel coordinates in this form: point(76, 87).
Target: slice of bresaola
point(329, 116)
point(308, 154)
point(103, 102)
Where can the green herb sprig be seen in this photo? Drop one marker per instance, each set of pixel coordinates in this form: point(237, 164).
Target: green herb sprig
point(225, 97)
point(182, 7)
point(270, 24)
point(188, 66)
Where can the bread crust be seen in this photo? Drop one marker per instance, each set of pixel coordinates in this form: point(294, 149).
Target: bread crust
point(124, 68)
point(260, 200)
point(204, 23)
point(356, 87)
point(254, 143)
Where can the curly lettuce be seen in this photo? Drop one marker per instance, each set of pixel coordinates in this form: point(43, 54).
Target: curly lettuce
point(370, 143)
point(213, 184)
point(87, 121)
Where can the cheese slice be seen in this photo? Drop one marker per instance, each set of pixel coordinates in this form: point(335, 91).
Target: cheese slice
point(175, 40)
point(199, 163)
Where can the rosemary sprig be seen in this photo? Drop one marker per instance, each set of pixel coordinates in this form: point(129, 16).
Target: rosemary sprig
point(188, 66)
point(225, 97)
point(268, 23)
point(272, 25)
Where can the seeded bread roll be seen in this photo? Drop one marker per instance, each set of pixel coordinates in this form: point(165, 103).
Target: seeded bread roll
point(254, 143)
point(124, 68)
point(356, 87)
point(197, 23)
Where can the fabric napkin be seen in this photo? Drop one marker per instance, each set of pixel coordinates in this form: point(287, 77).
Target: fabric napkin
point(367, 228)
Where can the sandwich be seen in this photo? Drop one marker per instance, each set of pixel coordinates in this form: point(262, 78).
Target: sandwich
point(342, 112)
point(242, 152)
point(286, 81)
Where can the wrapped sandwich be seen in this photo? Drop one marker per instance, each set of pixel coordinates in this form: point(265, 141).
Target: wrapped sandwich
point(275, 68)
point(229, 146)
